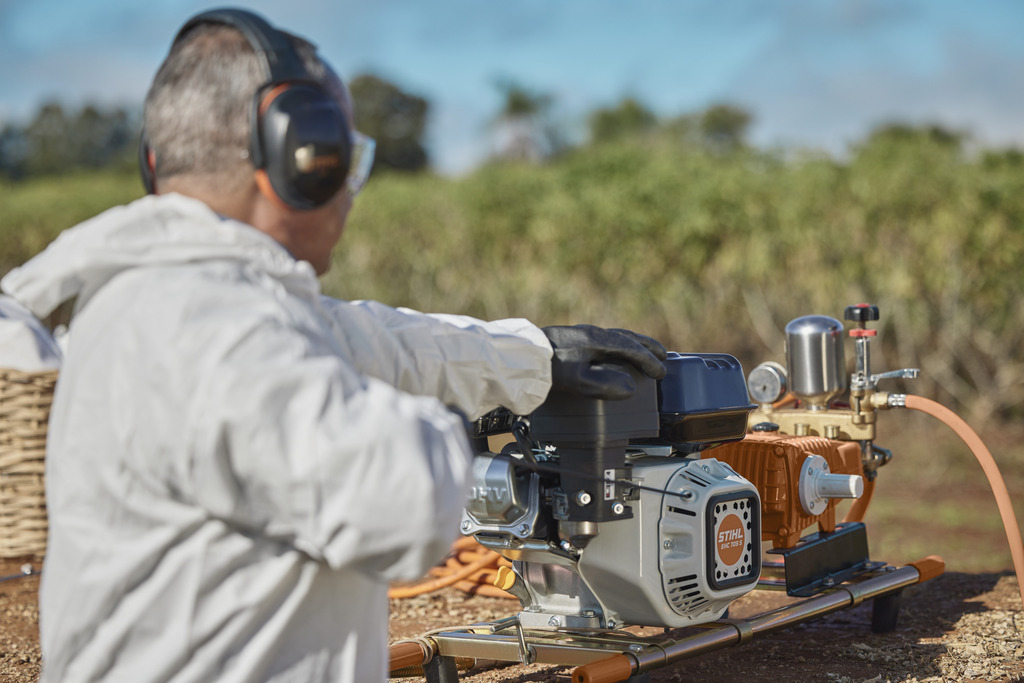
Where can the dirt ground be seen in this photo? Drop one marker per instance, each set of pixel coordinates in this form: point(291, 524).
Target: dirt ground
point(958, 627)
point(19, 622)
point(966, 625)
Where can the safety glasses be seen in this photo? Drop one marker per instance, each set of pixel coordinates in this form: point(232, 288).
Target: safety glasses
point(363, 147)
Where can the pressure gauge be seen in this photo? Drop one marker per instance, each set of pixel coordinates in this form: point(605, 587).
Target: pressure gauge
point(767, 382)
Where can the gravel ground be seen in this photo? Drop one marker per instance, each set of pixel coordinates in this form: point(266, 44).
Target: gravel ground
point(19, 623)
point(958, 627)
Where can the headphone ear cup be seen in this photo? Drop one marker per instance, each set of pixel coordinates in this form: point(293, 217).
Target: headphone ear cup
point(303, 144)
point(146, 165)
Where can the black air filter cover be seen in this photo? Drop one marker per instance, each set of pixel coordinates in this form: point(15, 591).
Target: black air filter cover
point(569, 417)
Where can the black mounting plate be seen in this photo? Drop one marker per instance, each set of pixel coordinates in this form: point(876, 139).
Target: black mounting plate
point(820, 561)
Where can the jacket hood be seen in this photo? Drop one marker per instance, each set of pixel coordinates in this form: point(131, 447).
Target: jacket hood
point(155, 230)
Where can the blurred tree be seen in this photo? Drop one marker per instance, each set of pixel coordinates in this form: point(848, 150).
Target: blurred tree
point(57, 141)
point(395, 119)
point(13, 151)
point(47, 138)
point(1004, 158)
point(903, 134)
point(626, 118)
point(912, 148)
point(98, 138)
point(523, 126)
point(724, 127)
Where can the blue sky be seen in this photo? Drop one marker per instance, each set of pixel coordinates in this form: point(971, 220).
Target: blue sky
point(814, 73)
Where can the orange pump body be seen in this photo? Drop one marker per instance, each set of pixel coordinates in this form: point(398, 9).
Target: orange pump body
point(772, 462)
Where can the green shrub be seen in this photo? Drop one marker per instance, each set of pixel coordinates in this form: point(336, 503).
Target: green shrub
point(34, 212)
point(707, 251)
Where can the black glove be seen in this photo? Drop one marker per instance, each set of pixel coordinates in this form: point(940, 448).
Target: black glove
point(588, 360)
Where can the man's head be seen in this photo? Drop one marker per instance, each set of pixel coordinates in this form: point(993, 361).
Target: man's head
point(283, 179)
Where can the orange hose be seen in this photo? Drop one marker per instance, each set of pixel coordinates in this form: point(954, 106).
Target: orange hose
point(860, 506)
point(482, 588)
point(485, 560)
point(466, 543)
point(790, 397)
point(995, 480)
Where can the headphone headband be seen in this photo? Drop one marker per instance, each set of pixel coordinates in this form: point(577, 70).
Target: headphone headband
point(273, 48)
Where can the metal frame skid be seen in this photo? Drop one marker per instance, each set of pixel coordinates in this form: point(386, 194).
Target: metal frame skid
point(611, 656)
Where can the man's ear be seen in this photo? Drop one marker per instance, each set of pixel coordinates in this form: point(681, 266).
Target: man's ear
point(151, 165)
point(147, 164)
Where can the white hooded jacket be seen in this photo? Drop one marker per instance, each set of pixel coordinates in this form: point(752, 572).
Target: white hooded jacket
point(236, 464)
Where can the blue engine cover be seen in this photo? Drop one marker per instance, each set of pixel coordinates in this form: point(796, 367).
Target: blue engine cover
point(702, 401)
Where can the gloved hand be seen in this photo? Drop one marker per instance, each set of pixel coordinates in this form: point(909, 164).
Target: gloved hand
point(588, 360)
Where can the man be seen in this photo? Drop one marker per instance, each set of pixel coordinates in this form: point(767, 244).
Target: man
point(238, 465)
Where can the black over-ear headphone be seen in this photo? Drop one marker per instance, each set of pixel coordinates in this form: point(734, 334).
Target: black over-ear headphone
point(300, 144)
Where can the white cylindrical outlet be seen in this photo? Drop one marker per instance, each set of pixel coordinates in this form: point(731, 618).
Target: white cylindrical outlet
point(839, 485)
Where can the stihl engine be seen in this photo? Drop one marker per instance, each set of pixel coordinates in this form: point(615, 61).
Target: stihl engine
point(650, 511)
point(609, 514)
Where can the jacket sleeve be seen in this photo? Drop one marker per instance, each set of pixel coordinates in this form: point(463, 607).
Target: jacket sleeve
point(470, 364)
point(290, 443)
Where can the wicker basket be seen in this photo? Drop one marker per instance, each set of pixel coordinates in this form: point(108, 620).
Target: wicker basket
point(25, 399)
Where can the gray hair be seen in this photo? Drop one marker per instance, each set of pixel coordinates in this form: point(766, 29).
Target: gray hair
point(198, 109)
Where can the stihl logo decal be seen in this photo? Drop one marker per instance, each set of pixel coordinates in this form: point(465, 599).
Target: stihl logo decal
point(731, 535)
point(731, 540)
